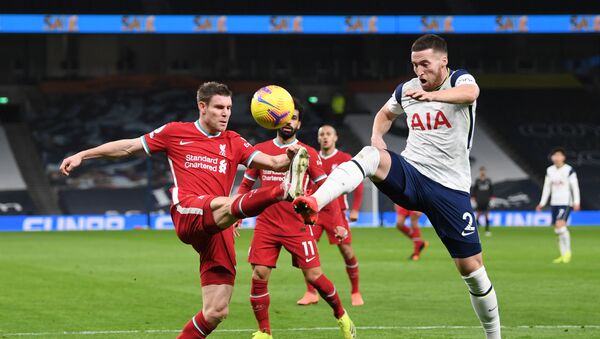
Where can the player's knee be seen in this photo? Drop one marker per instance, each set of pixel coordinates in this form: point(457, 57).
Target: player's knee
point(260, 273)
point(347, 251)
point(217, 313)
point(312, 274)
point(560, 228)
point(368, 160)
point(467, 266)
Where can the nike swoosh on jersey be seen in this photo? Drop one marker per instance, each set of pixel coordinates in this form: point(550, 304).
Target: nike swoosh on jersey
point(185, 142)
point(309, 260)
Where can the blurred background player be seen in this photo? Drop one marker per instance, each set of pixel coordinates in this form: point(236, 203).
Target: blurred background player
point(413, 233)
point(201, 209)
point(278, 226)
point(330, 215)
point(561, 183)
point(482, 192)
point(433, 173)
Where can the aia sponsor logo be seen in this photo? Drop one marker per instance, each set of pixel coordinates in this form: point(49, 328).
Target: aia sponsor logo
point(429, 121)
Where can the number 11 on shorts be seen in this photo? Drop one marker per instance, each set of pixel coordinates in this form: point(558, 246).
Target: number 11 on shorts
point(309, 249)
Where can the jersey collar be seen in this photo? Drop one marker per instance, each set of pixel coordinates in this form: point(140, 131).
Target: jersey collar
point(284, 145)
point(328, 156)
point(197, 124)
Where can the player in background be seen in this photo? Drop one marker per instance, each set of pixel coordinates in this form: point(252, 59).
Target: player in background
point(279, 226)
point(433, 173)
point(331, 216)
point(561, 183)
point(204, 157)
point(413, 233)
point(482, 192)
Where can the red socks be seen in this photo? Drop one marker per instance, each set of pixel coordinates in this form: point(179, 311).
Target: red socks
point(416, 233)
point(406, 230)
point(352, 270)
point(252, 203)
point(260, 300)
point(329, 293)
point(197, 328)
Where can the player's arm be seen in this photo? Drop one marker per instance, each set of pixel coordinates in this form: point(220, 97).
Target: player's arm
point(545, 194)
point(248, 182)
point(574, 183)
point(463, 90)
point(277, 163)
point(110, 150)
point(463, 94)
point(381, 125)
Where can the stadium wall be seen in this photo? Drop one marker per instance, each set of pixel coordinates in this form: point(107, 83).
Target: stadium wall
point(50, 223)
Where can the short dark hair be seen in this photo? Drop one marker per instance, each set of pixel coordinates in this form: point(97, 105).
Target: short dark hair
point(209, 89)
point(427, 41)
point(482, 168)
point(298, 106)
point(558, 150)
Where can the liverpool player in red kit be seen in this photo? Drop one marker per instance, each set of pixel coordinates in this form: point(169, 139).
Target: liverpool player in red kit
point(413, 233)
point(278, 225)
point(204, 157)
point(330, 215)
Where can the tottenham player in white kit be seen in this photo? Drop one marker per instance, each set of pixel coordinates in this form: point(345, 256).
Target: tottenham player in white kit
point(561, 183)
point(432, 175)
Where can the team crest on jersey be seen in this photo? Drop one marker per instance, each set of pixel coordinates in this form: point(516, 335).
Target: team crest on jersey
point(222, 149)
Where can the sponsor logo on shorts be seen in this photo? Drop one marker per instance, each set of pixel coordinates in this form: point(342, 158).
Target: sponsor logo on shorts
point(310, 259)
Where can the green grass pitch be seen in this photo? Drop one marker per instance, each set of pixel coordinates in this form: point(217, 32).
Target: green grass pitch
point(144, 284)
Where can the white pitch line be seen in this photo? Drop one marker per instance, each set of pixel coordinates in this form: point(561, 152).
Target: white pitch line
point(300, 329)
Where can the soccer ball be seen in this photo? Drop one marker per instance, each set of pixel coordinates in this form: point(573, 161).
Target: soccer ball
point(272, 107)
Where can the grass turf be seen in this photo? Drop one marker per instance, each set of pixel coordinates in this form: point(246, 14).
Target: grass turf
point(144, 284)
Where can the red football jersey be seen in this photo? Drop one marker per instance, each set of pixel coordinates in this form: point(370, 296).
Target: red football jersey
point(330, 162)
point(280, 218)
point(201, 163)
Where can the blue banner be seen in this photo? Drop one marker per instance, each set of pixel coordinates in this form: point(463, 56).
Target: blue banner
point(50, 223)
point(298, 24)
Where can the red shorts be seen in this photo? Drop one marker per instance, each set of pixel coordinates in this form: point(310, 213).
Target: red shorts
point(332, 220)
point(401, 211)
point(265, 247)
point(195, 225)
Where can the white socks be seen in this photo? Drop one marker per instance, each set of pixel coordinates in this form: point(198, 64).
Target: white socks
point(564, 240)
point(347, 176)
point(485, 304)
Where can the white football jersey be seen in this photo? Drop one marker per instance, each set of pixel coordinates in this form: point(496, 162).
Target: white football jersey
point(440, 134)
point(561, 183)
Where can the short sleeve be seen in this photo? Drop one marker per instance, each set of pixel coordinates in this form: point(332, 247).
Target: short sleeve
point(157, 140)
point(394, 104)
point(251, 174)
point(461, 77)
point(315, 167)
point(247, 152)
